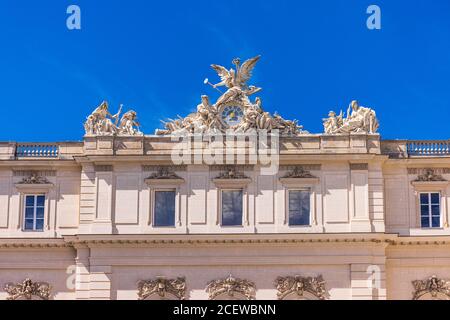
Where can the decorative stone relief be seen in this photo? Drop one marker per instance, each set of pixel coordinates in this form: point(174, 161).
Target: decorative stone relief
point(104, 168)
point(429, 175)
point(420, 171)
point(231, 172)
point(230, 287)
point(149, 168)
point(162, 287)
point(358, 120)
point(298, 172)
point(233, 109)
point(27, 290)
point(300, 285)
point(34, 178)
point(359, 166)
point(434, 286)
point(309, 167)
point(27, 173)
point(103, 123)
point(164, 172)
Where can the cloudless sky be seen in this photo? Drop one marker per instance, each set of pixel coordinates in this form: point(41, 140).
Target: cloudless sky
point(152, 56)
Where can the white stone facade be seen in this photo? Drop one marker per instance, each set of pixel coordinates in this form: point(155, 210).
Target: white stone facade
point(98, 241)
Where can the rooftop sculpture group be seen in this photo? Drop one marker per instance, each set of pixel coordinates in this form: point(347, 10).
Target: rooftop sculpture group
point(359, 120)
point(233, 111)
point(103, 123)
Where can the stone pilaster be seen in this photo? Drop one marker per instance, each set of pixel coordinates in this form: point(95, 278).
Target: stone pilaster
point(100, 282)
point(82, 273)
point(368, 281)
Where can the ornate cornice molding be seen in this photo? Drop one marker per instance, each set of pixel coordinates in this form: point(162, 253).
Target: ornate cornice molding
point(28, 289)
point(245, 239)
point(300, 285)
point(231, 286)
point(432, 285)
point(161, 287)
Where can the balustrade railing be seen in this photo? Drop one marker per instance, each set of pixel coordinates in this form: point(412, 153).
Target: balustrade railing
point(428, 148)
point(37, 150)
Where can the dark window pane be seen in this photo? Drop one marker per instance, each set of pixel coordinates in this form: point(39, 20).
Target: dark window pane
point(435, 198)
point(424, 210)
point(40, 212)
point(424, 198)
point(29, 212)
point(40, 201)
point(28, 224)
point(425, 222)
point(29, 201)
point(40, 224)
point(164, 209)
point(232, 208)
point(435, 210)
point(299, 209)
point(436, 222)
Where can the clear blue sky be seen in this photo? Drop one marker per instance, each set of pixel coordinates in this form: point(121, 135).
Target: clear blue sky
point(152, 56)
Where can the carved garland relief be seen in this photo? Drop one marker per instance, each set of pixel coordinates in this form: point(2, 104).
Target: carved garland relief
point(299, 286)
point(162, 287)
point(433, 287)
point(231, 288)
point(28, 289)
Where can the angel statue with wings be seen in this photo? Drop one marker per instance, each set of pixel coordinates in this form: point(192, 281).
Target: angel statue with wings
point(236, 80)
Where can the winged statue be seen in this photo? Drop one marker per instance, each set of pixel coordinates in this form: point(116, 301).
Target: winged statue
point(239, 77)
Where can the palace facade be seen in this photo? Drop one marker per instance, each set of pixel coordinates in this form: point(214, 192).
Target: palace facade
point(120, 215)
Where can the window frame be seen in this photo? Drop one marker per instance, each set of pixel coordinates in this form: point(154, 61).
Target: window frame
point(242, 190)
point(430, 211)
point(24, 207)
point(310, 217)
point(153, 207)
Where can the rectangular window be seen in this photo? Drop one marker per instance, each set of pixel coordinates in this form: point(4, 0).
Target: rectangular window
point(232, 207)
point(299, 208)
point(430, 210)
point(164, 209)
point(34, 212)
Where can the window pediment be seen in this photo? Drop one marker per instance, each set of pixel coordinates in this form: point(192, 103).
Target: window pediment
point(299, 176)
point(34, 182)
point(163, 176)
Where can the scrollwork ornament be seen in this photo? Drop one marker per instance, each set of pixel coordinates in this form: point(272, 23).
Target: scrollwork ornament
point(300, 285)
point(432, 285)
point(161, 287)
point(28, 289)
point(231, 286)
